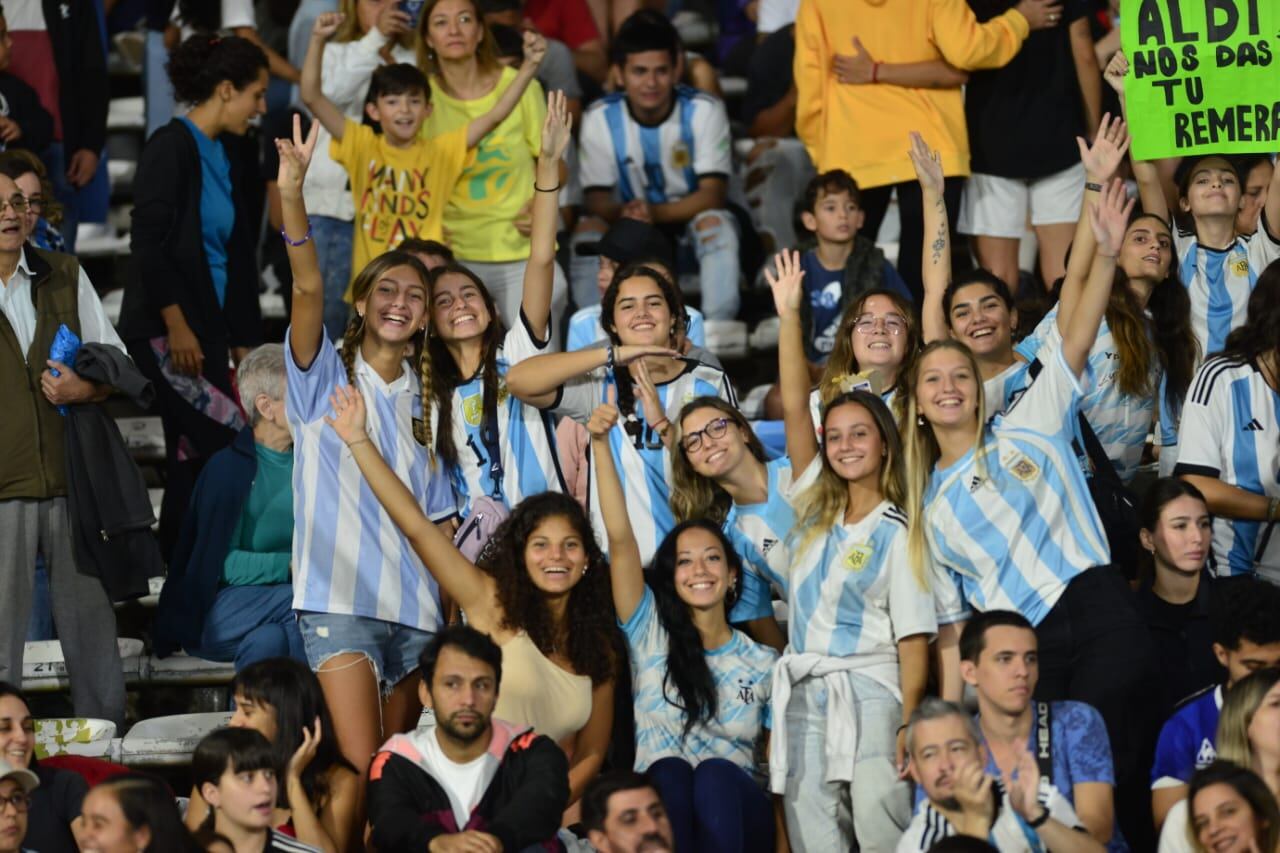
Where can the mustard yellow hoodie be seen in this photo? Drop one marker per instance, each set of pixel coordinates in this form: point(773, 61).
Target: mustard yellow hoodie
point(863, 129)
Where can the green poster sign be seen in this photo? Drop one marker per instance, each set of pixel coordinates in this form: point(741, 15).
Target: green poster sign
point(1204, 76)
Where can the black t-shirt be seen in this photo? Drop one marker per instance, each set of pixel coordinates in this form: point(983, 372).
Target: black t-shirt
point(53, 806)
point(1024, 118)
point(1182, 634)
point(769, 76)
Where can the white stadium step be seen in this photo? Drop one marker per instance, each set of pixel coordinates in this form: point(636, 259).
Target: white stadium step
point(168, 741)
point(44, 669)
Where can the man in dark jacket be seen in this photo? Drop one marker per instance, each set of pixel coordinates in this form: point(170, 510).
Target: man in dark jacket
point(470, 782)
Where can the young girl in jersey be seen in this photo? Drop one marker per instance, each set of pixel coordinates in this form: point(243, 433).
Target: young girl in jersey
point(234, 770)
point(701, 688)
point(860, 614)
point(366, 604)
point(281, 699)
point(493, 444)
point(878, 331)
point(1004, 510)
point(1248, 736)
point(643, 315)
point(719, 472)
point(1231, 439)
point(539, 574)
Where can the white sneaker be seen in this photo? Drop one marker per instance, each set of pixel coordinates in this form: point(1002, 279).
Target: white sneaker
point(726, 338)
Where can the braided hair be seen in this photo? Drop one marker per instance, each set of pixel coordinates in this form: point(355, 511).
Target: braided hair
point(448, 376)
point(353, 335)
point(679, 322)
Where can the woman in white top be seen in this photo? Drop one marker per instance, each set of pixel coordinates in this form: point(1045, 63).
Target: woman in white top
point(371, 34)
point(861, 614)
point(1248, 735)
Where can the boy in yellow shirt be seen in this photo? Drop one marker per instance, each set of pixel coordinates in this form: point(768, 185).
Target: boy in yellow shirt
point(400, 183)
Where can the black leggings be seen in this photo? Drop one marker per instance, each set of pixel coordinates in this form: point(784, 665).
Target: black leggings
point(875, 203)
point(1095, 648)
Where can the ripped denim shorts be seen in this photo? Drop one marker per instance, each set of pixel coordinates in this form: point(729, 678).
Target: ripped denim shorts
point(393, 649)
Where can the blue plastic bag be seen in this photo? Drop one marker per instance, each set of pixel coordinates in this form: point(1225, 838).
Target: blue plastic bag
point(65, 347)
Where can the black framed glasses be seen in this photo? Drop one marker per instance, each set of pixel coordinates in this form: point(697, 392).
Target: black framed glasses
point(714, 429)
point(20, 802)
point(16, 201)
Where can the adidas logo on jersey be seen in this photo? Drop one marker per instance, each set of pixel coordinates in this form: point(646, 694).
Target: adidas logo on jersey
point(766, 545)
point(1206, 755)
point(1253, 426)
point(974, 483)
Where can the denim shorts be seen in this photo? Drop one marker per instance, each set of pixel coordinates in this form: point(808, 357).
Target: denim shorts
point(393, 649)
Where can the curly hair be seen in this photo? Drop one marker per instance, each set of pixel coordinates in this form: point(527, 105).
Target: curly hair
point(204, 60)
point(592, 627)
point(696, 496)
point(354, 334)
point(447, 377)
point(687, 671)
point(843, 363)
point(679, 322)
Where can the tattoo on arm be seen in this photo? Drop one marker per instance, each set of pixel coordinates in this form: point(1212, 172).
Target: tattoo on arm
point(939, 243)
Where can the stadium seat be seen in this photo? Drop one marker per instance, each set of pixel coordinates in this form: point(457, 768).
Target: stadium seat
point(44, 669)
point(188, 671)
point(168, 741)
point(76, 736)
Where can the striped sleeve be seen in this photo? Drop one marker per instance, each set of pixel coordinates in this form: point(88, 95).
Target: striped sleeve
point(1205, 422)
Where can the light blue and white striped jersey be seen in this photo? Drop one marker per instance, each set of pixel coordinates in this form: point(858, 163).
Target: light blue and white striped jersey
point(853, 592)
point(655, 163)
point(758, 533)
point(1121, 421)
point(1010, 523)
point(526, 435)
point(1000, 391)
point(1231, 432)
point(1219, 281)
point(743, 674)
point(643, 462)
point(585, 329)
point(349, 557)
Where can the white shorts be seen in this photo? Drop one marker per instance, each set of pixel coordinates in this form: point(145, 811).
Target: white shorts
point(997, 207)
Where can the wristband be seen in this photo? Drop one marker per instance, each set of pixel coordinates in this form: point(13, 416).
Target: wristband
point(364, 440)
point(658, 427)
point(875, 72)
point(1273, 506)
point(1040, 821)
point(305, 237)
point(1092, 187)
point(554, 189)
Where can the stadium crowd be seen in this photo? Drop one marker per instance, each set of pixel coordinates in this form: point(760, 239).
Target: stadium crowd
point(981, 559)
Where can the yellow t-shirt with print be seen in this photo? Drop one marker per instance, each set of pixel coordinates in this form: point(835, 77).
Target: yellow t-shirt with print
point(398, 192)
point(498, 181)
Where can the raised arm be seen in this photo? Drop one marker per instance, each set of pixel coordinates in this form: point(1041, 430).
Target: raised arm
point(461, 579)
point(1101, 159)
point(1108, 218)
point(536, 380)
point(325, 111)
point(1145, 172)
point(539, 272)
point(1271, 219)
point(306, 316)
point(535, 48)
point(793, 368)
point(935, 264)
point(625, 568)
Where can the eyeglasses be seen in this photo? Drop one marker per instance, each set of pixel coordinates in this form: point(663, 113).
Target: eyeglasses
point(714, 429)
point(20, 802)
point(17, 202)
point(894, 324)
point(35, 202)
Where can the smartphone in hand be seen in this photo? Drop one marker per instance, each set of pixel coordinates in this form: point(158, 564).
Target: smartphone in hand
point(412, 8)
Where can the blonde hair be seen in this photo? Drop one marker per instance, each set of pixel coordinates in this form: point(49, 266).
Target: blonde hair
point(821, 506)
point(693, 495)
point(1239, 705)
point(921, 446)
point(354, 334)
point(486, 58)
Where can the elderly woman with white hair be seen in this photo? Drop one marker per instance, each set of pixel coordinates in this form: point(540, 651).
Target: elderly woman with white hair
point(228, 595)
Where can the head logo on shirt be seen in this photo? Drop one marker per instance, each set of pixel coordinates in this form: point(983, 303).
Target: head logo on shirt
point(680, 157)
point(1024, 469)
point(858, 557)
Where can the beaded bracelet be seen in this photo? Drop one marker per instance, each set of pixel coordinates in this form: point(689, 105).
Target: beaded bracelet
point(305, 237)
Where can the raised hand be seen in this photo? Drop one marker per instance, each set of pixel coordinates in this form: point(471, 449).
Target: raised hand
point(305, 752)
point(648, 394)
point(786, 285)
point(392, 20)
point(348, 414)
point(973, 790)
point(558, 126)
point(535, 49)
point(1117, 68)
point(1023, 784)
point(1103, 157)
point(327, 24)
point(605, 416)
point(295, 157)
point(1110, 218)
point(928, 165)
